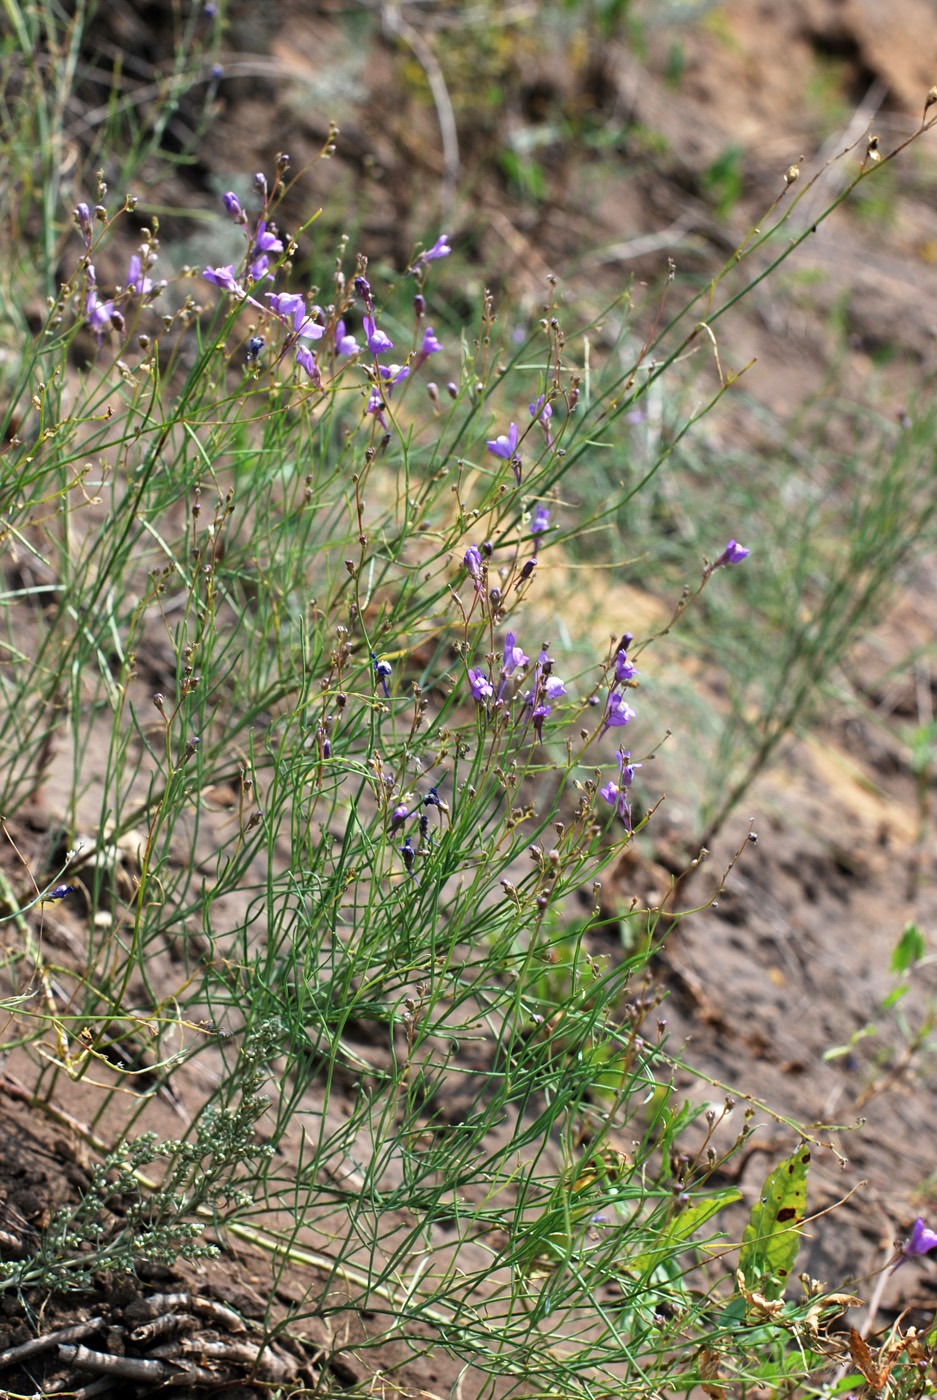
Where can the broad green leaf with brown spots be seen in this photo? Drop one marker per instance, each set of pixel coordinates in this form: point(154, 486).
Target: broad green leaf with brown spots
point(772, 1236)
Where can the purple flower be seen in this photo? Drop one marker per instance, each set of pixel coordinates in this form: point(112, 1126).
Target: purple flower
point(83, 220)
point(233, 205)
point(543, 412)
point(506, 444)
point(99, 313)
point(60, 892)
point(546, 687)
point(344, 344)
point(307, 361)
point(922, 1241)
point(399, 815)
point(538, 715)
point(265, 241)
point(258, 269)
point(625, 670)
point(440, 249)
point(472, 559)
point(541, 520)
point(428, 347)
point(225, 278)
point(617, 797)
point(290, 308)
point(479, 684)
point(617, 711)
point(383, 671)
point(513, 655)
point(396, 374)
point(430, 343)
point(376, 405)
point(137, 280)
point(378, 342)
point(627, 768)
point(732, 554)
point(616, 793)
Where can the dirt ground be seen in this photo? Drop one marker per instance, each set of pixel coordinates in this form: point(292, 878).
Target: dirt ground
point(793, 961)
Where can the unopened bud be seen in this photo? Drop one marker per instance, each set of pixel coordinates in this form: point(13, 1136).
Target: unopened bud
point(82, 216)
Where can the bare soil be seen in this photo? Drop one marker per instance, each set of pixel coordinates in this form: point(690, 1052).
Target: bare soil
point(792, 961)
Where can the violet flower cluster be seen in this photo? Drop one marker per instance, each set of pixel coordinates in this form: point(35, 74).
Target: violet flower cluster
point(547, 688)
point(104, 315)
point(513, 658)
point(261, 243)
point(305, 322)
point(616, 794)
point(505, 444)
point(617, 710)
point(404, 812)
point(538, 701)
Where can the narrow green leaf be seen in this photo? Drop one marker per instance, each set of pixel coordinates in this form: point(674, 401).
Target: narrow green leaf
point(895, 995)
point(682, 1227)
